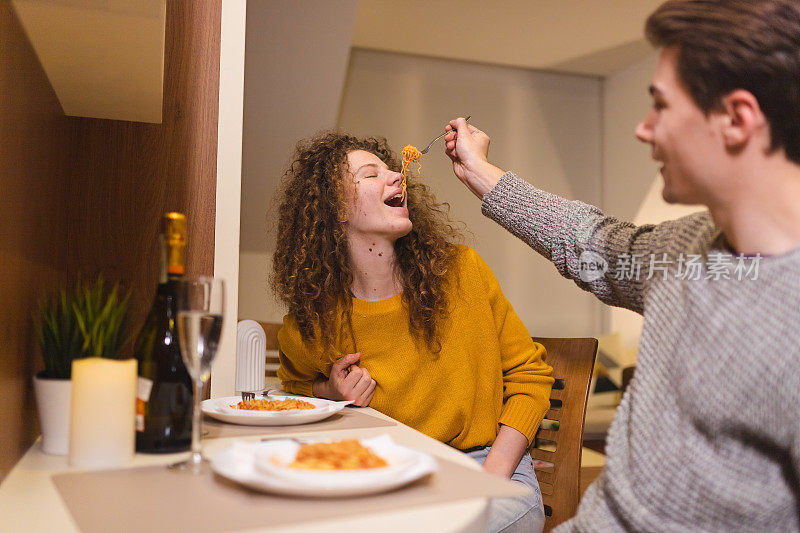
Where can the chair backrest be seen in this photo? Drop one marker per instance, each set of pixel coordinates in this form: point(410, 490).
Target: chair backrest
point(557, 450)
point(271, 331)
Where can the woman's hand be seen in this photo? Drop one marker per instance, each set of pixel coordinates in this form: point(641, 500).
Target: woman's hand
point(468, 148)
point(347, 382)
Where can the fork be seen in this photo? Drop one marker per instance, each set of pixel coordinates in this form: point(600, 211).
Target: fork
point(251, 395)
point(425, 150)
point(298, 440)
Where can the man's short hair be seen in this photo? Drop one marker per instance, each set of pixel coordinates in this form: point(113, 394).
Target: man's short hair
point(724, 45)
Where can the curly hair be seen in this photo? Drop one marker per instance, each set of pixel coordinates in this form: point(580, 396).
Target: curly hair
point(311, 268)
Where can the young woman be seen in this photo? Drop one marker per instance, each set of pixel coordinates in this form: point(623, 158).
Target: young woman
point(385, 310)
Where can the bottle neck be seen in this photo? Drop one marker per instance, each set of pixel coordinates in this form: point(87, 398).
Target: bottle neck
point(171, 261)
point(162, 270)
point(170, 281)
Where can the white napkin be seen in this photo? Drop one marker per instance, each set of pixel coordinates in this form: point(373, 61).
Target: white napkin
point(251, 356)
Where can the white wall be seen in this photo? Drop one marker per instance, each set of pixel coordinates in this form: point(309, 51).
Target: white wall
point(631, 185)
point(295, 65)
point(628, 169)
point(229, 183)
point(256, 300)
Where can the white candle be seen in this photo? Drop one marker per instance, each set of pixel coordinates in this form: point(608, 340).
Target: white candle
point(102, 432)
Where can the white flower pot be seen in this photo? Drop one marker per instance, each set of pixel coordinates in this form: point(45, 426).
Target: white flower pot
point(53, 402)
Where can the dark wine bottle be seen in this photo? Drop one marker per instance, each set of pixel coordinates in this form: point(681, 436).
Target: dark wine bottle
point(164, 394)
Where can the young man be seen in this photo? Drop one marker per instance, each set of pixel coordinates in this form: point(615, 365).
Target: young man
point(707, 438)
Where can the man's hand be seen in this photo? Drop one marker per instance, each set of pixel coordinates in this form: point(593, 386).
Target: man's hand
point(347, 382)
point(468, 148)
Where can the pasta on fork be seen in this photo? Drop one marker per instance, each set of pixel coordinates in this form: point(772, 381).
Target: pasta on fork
point(410, 155)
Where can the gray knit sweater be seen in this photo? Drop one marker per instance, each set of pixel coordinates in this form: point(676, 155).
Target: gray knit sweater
point(707, 436)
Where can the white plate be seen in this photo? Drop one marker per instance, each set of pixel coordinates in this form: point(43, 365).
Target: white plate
point(252, 465)
point(220, 409)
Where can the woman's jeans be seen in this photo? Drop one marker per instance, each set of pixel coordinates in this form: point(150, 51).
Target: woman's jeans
point(521, 513)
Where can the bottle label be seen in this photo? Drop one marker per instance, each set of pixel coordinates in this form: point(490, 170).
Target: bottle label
point(139, 415)
point(144, 387)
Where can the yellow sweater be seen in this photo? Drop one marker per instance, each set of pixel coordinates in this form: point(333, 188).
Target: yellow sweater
point(489, 371)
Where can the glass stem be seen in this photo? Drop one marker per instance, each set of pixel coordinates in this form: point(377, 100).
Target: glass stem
point(197, 455)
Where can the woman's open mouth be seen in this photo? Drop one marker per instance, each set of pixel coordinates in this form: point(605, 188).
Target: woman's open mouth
point(395, 201)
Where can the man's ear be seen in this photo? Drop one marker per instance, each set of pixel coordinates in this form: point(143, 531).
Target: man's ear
point(742, 118)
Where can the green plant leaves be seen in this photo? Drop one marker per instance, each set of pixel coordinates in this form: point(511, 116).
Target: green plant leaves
point(88, 321)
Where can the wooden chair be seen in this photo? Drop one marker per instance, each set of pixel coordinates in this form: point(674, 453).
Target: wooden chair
point(572, 360)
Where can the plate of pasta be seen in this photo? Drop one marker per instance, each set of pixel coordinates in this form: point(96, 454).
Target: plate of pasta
point(323, 468)
point(277, 410)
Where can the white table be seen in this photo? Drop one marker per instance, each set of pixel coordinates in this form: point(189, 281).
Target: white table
point(29, 501)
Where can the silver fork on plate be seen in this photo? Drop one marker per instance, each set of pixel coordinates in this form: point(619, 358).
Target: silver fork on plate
point(251, 395)
point(425, 150)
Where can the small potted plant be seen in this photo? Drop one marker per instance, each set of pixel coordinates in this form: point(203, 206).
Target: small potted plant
point(86, 321)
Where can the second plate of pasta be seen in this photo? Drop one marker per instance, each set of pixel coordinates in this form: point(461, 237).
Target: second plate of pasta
point(227, 410)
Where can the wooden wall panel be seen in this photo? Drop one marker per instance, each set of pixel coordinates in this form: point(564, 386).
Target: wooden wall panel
point(84, 196)
point(33, 185)
point(125, 175)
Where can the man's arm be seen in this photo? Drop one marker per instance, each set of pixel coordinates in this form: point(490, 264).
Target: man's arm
point(607, 257)
point(575, 236)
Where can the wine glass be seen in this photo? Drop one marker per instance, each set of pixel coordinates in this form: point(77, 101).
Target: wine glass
point(201, 307)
